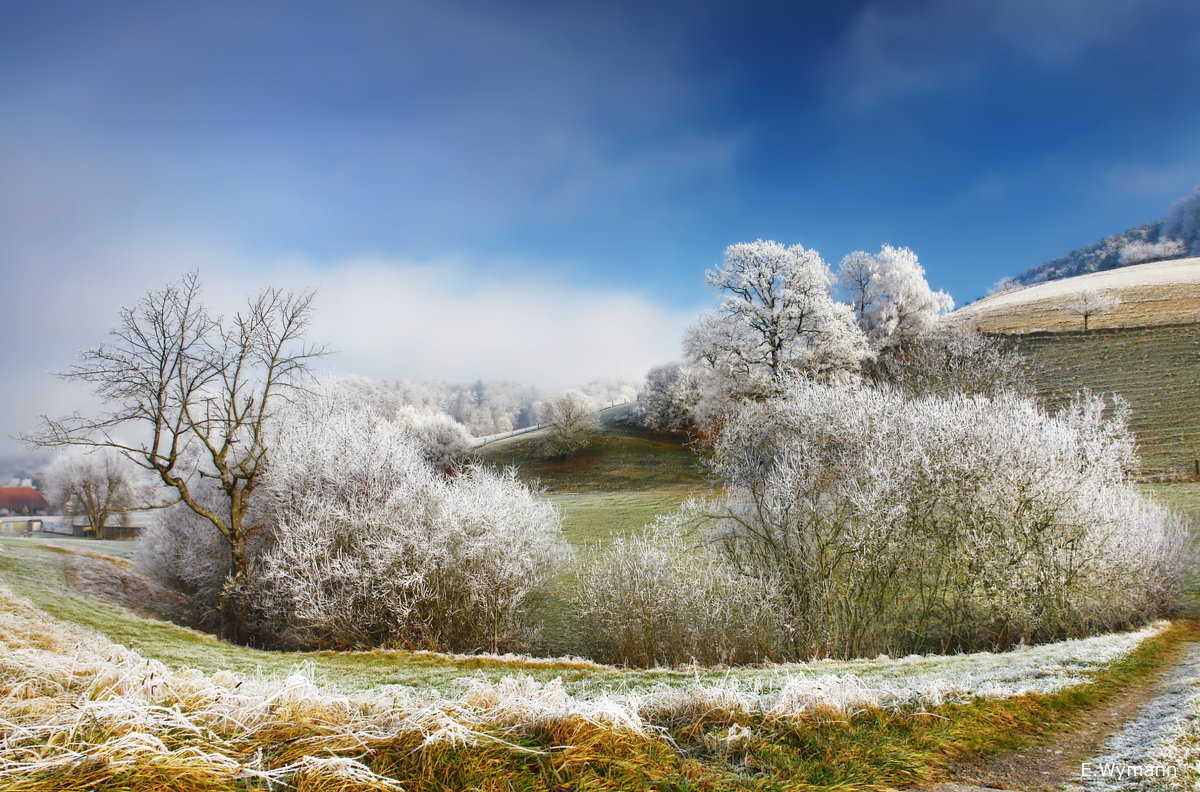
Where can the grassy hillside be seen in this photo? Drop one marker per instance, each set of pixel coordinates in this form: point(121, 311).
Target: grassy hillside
point(618, 484)
point(1151, 294)
point(434, 721)
point(98, 711)
point(1156, 369)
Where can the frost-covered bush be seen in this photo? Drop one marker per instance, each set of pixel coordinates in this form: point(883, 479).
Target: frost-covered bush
point(656, 598)
point(363, 539)
point(948, 360)
point(897, 524)
point(373, 546)
point(444, 443)
point(668, 399)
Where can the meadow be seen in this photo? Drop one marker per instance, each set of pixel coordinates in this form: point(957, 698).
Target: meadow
point(101, 693)
point(128, 691)
point(98, 697)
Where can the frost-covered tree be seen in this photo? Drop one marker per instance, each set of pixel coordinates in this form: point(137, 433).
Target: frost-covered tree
point(896, 525)
point(1089, 303)
point(611, 391)
point(777, 317)
point(570, 423)
point(1182, 223)
point(1138, 251)
point(99, 484)
point(668, 399)
point(889, 293)
point(444, 442)
point(483, 408)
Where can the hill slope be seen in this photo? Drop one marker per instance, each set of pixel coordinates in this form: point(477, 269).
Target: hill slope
point(621, 482)
point(1177, 233)
point(1155, 368)
point(1166, 292)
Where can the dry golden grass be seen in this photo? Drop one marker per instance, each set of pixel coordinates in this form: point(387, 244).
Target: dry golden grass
point(1141, 306)
point(80, 713)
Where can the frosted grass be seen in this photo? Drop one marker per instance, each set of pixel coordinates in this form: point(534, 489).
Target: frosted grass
point(71, 699)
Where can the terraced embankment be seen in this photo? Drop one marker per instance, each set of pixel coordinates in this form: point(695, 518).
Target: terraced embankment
point(1156, 369)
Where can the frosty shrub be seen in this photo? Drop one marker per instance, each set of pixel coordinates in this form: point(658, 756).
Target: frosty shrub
point(362, 538)
point(942, 523)
point(668, 398)
point(656, 598)
point(443, 441)
point(373, 546)
point(947, 360)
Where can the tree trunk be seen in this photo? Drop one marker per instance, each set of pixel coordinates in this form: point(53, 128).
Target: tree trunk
point(234, 604)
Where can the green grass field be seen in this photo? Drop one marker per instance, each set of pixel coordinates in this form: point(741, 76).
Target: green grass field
point(621, 482)
point(864, 750)
point(1157, 369)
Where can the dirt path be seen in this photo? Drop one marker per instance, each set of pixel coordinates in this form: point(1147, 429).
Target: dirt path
point(1156, 722)
point(1118, 731)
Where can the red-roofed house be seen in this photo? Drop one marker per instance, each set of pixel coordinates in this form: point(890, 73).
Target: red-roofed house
point(22, 500)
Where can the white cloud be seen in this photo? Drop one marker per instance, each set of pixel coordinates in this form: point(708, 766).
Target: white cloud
point(384, 318)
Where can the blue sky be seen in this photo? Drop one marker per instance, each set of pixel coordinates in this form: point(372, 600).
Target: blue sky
point(495, 157)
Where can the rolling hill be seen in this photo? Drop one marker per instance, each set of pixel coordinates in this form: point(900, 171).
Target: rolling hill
point(1161, 293)
point(1176, 233)
point(621, 482)
point(1147, 349)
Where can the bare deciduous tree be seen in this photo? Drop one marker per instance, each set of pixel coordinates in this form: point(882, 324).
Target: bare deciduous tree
point(99, 485)
point(570, 421)
point(189, 396)
point(1091, 303)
